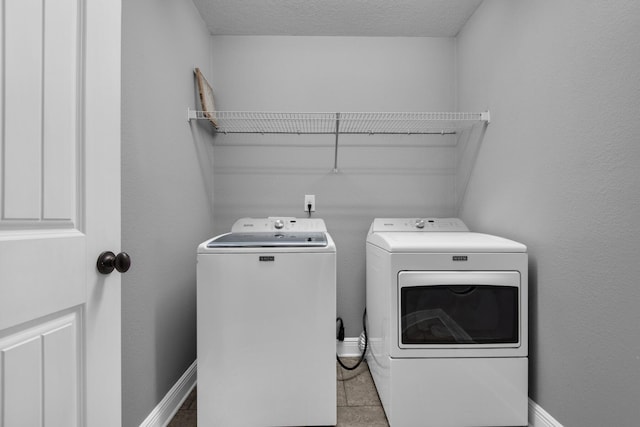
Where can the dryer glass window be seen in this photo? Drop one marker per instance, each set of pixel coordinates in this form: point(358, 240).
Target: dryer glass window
point(459, 314)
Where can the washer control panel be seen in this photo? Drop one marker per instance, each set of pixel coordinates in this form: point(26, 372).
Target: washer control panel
point(260, 225)
point(417, 224)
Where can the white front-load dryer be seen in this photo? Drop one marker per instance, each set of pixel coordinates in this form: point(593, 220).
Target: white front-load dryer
point(266, 312)
point(447, 324)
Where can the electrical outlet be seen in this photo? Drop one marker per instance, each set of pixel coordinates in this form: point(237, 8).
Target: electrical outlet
point(309, 199)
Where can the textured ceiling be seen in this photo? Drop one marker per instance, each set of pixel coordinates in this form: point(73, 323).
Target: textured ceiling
point(410, 18)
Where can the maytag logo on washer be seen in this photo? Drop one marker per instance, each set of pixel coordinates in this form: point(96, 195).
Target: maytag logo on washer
point(460, 258)
point(267, 258)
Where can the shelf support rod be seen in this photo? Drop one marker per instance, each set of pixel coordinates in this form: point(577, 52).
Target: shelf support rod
point(335, 158)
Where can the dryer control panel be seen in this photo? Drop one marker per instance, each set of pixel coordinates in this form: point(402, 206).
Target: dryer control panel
point(417, 224)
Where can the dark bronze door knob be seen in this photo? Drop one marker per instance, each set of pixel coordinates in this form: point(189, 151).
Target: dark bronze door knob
point(107, 261)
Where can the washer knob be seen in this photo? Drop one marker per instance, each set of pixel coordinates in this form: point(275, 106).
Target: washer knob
point(278, 224)
point(419, 223)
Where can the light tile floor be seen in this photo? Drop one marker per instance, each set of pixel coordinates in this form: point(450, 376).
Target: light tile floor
point(358, 402)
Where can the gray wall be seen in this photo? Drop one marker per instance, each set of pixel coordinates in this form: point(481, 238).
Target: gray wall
point(166, 197)
point(379, 176)
point(559, 170)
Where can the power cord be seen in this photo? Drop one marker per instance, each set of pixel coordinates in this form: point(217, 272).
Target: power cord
point(340, 333)
point(340, 337)
point(309, 209)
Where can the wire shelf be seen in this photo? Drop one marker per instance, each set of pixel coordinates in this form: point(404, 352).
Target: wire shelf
point(407, 123)
point(339, 123)
point(350, 123)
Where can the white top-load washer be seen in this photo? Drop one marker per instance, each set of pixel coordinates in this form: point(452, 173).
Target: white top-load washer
point(447, 324)
point(266, 313)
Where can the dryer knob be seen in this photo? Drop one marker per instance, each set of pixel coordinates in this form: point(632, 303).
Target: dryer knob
point(420, 223)
point(279, 224)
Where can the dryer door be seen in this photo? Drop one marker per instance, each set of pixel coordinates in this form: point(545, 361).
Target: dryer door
point(462, 310)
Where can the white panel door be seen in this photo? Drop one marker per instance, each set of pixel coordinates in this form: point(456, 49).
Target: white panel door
point(59, 209)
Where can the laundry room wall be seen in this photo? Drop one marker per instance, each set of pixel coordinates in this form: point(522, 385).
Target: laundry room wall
point(559, 171)
point(378, 176)
point(166, 197)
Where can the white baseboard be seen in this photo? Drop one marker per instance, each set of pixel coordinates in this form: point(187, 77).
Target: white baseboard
point(538, 417)
point(348, 347)
point(173, 400)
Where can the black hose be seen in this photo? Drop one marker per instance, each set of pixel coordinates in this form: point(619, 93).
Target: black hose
point(364, 351)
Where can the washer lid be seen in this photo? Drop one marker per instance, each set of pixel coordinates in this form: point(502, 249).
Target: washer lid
point(444, 242)
point(269, 240)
